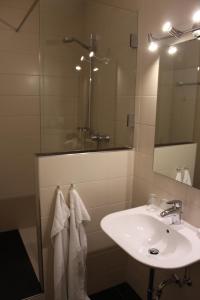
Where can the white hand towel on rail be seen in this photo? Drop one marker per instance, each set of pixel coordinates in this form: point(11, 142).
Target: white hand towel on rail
point(179, 175)
point(77, 248)
point(186, 177)
point(60, 240)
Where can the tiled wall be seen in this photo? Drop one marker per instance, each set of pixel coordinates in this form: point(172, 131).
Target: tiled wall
point(152, 14)
point(104, 181)
point(19, 113)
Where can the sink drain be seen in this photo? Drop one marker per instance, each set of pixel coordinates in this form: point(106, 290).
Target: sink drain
point(154, 251)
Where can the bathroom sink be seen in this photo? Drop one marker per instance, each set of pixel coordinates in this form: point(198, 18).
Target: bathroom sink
point(148, 238)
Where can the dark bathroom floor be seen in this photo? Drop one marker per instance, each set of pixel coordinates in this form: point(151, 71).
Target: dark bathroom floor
point(119, 292)
point(17, 277)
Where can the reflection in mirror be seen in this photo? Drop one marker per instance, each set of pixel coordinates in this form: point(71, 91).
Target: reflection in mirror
point(177, 138)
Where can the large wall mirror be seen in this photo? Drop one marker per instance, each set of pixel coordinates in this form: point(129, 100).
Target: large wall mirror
point(177, 138)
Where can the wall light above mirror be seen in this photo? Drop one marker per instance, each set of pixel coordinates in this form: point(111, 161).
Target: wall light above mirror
point(172, 33)
point(177, 138)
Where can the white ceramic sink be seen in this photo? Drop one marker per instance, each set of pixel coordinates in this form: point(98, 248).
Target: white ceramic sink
point(138, 230)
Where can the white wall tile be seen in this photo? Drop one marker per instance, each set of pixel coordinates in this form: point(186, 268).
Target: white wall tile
point(85, 167)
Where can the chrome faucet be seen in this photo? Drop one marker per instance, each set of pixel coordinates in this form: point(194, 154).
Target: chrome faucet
point(175, 210)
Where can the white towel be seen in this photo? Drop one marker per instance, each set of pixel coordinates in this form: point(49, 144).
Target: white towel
point(60, 240)
point(77, 248)
point(179, 176)
point(186, 177)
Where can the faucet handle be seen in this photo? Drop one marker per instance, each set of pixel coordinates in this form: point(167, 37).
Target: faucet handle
point(176, 203)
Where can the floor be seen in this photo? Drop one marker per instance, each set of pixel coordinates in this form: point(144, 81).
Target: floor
point(119, 292)
point(17, 277)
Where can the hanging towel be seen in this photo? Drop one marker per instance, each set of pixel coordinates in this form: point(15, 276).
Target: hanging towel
point(60, 240)
point(186, 177)
point(77, 248)
point(179, 175)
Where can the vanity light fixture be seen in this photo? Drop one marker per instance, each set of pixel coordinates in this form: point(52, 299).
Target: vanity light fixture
point(153, 44)
point(172, 32)
point(196, 25)
point(167, 27)
point(196, 34)
point(196, 17)
point(172, 50)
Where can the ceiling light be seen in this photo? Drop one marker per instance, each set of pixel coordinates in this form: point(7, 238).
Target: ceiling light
point(78, 68)
point(153, 46)
point(167, 27)
point(196, 17)
point(172, 50)
point(96, 69)
point(91, 54)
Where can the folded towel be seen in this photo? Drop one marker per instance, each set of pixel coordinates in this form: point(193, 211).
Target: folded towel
point(60, 240)
point(186, 177)
point(77, 248)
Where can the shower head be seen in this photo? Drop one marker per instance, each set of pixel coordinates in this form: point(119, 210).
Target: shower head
point(72, 39)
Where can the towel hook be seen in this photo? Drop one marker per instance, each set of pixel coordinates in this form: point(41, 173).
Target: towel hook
point(72, 185)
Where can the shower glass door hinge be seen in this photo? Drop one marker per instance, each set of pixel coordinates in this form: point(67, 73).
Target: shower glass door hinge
point(130, 121)
point(133, 41)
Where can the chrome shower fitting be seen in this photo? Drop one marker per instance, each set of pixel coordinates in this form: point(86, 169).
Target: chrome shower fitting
point(90, 47)
point(100, 138)
point(72, 39)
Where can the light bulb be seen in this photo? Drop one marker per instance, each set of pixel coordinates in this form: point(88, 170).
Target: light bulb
point(153, 46)
point(196, 34)
point(91, 54)
point(96, 69)
point(172, 50)
point(78, 68)
point(198, 68)
point(167, 27)
point(82, 58)
point(196, 17)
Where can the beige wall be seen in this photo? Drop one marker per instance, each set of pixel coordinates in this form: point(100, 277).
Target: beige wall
point(104, 181)
point(152, 15)
point(19, 113)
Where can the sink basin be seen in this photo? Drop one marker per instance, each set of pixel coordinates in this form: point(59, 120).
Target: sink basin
point(146, 237)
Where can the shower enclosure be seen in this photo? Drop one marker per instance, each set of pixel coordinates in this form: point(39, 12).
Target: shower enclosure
point(67, 84)
point(88, 65)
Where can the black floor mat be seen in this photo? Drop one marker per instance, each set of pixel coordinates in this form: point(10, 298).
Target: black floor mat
point(119, 292)
point(17, 277)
